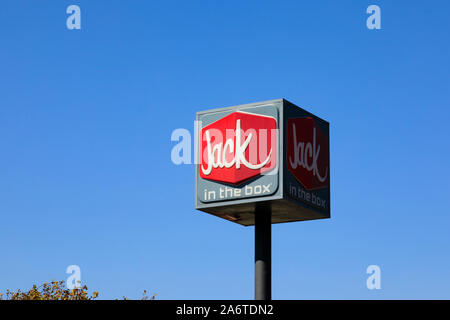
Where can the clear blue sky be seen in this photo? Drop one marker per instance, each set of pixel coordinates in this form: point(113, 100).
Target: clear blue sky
point(86, 117)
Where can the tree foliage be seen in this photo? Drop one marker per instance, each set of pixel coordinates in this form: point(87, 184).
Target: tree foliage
point(56, 290)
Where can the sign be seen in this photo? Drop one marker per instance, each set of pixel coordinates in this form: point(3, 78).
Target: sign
point(238, 147)
point(307, 152)
point(272, 152)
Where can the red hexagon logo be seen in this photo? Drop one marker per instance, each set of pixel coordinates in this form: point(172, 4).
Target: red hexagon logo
point(307, 153)
point(238, 147)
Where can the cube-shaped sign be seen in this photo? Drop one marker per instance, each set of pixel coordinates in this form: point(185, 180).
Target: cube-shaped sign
point(272, 152)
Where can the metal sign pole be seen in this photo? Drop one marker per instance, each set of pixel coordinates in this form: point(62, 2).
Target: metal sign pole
point(263, 252)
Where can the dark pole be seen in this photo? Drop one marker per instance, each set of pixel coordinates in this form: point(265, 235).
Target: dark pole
point(263, 255)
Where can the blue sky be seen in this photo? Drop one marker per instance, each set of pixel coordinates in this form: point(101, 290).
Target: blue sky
point(86, 117)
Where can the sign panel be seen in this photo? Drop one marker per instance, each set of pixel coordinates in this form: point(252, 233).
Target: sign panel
point(238, 147)
point(271, 151)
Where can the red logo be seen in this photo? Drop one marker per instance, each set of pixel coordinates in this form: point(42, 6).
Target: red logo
point(307, 153)
point(238, 147)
